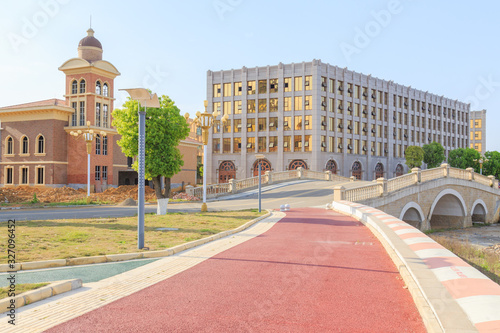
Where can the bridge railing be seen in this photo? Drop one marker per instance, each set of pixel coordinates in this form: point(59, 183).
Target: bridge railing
point(269, 177)
point(383, 186)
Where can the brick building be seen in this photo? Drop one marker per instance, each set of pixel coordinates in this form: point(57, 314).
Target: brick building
point(38, 150)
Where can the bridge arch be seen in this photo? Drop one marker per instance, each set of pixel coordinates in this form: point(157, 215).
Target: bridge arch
point(448, 210)
point(479, 211)
point(413, 214)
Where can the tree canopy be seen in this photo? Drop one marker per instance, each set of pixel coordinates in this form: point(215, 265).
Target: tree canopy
point(463, 158)
point(433, 154)
point(165, 128)
point(491, 165)
point(414, 156)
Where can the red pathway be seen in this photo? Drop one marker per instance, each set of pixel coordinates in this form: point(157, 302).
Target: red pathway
point(314, 271)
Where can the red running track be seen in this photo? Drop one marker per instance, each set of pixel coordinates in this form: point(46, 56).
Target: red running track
point(314, 271)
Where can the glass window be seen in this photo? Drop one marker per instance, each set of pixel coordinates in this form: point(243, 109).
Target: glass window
point(262, 144)
point(297, 143)
point(287, 123)
point(74, 87)
point(251, 106)
point(288, 84)
point(10, 176)
point(98, 114)
point(262, 124)
point(262, 86)
point(356, 91)
point(287, 143)
point(323, 143)
point(105, 90)
point(323, 123)
point(104, 172)
point(237, 145)
point(82, 113)
point(331, 106)
point(10, 146)
point(226, 108)
point(308, 82)
point(298, 83)
point(251, 88)
point(226, 127)
point(250, 145)
point(82, 86)
point(216, 145)
point(97, 145)
point(262, 105)
point(273, 105)
point(273, 143)
point(24, 176)
point(237, 107)
point(105, 115)
point(217, 90)
point(324, 83)
point(331, 124)
point(350, 91)
point(323, 103)
point(105, 145)
point(226, 145)
point(308, 122)
point(273, 123)
point(98, 88)
point(41, 145)
point(237, 89)
point(25, 148)
point(308, 102)
point(332, 86)
point(251, 125)
point(227, 89)
point(307, 142)
point(273, 85)
point(97, 172)
point(288, 104)
point(40, 179)
point(340, 87)
point(298, 103)
point(217, 107)
point(298, 122)
point(74, 116)
point(237, 125)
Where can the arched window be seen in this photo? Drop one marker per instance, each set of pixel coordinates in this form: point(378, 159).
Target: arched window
point(97, 145)
point(265, 165)
point(331, 166)
point(399, 170)
point(227, 171)
point(105, 145)
point(82, 86)
point(296, 164)
point(98, 114)
point(24, 145)
point(379, 171)
point(74, 87)
point(105, 90)
point(40, 144)
point(98, 88)
point(356, 170)
point(10, 146)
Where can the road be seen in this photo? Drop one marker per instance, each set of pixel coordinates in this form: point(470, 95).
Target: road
point(296, 194)
point(313, 271)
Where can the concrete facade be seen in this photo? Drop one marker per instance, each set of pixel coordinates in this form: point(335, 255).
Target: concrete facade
point(323, 117)
point(478, 131)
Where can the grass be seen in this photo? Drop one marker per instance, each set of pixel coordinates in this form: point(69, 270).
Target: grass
point(486, 262)
point(63, 239)
point(30, 204)
point(21, 288)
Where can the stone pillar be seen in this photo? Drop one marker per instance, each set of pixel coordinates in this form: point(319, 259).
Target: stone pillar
point(418, 176)
point(232, 186)
point(299, 169)
point(495, 184)
point(383, 186)
point(328, 175)
point(338, 193)
point(492, 180)
point(471, 173)
point(189, 190)
point(352, 178)
point(269, 177)
point(446, 169)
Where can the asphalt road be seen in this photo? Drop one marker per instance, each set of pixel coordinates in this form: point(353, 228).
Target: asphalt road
point(296, 194)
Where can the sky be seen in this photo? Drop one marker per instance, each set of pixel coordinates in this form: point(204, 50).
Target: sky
point(446, 47)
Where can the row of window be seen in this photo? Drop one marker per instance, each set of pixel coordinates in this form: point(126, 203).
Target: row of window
point(101, 172)
point(24, 145)
point(304, 144)
point(476, 123)
point(98, 145)
point(101, 114)
point(80, 87)
point(24, 175)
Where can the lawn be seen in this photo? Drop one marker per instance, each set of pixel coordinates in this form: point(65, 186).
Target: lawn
point(21, 288)
point(63, 239)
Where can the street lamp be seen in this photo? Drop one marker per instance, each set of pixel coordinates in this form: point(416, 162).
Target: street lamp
point(206, 120)
point(88, 135)
point(142, 96)
point(481, 160)
point(259, 158)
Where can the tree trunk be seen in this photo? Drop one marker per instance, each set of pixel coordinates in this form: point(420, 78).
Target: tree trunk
point(157, 185)
point(166, 190)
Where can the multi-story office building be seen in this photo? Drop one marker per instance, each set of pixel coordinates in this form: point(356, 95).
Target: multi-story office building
point(322, 117)
point(478, 130)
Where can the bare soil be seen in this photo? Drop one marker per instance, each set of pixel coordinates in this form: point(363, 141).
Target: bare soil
point(485, 237)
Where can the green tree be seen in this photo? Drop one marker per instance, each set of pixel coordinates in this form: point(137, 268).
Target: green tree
point(165, 128)
point(433, 154)
point(463, 158)
point(491, 165)
point(414, 156)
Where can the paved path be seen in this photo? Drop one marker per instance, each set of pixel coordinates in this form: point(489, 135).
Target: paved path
point(314, 271)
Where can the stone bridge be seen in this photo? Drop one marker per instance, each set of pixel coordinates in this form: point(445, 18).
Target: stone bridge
point(437, 198)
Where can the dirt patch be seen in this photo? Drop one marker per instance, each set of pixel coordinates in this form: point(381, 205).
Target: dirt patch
point(487, 237)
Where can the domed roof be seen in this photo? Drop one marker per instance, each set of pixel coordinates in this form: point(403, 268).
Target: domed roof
point(90, 40)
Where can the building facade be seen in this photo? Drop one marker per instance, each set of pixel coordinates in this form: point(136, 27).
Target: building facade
point(478, 131)
point(322, 117)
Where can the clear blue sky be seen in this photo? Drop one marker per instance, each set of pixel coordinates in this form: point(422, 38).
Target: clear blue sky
point(448, 48)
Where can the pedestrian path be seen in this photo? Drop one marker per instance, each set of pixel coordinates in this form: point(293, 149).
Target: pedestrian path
point(314, 271)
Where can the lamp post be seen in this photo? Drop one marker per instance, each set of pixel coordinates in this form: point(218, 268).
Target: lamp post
point(206, 121)
point(88, 135)
point(481, 160)
point(142, 96)
point(259, 158)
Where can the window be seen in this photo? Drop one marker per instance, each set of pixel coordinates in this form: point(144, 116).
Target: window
point(298, 103)
point(323, 103)
point(82, 113)
point(25, 146)
point(98, 88)
point(273, 105)
point(288, 84)
point(307, 142)
point(216, 88)
point(237, 145)
point(237, 107)
point(226, 127)
point(98, 114)
point(287, 123)
point(105, 115)
point(97, 172)
point(40, 175)
point(273, 143)
point(216, 145)
point(323, 83)
point(41, 145)
point(82, 86)
point(98, 145)
point(308, 82)
point(226, 145)
point(288, 104)
point(262, 124)
point(24, 176)
point(237, 125)
point(298, 83)
point(262, 105)
point(10, 146)
point(262, 86)
point(105, 91)
point(308, 122)
point(273, 123)
point(297, 142)
point(262, 144)
point(298, 122)
point(104, 173)
point(251, 88)
point(226, 108)
point(130, 161)
point(9, 178)
point(217, 107)
point(227, 89)
point(74, 116)
point(273, 85)
point(74, 87)
point(251, 125)
point(105, 145)
point(251, 106)
point(287, 143)
point(250, 145)
point(308, 103)
point(237, 89)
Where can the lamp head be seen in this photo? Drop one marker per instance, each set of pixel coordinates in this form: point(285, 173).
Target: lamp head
point(198, 114)
point(88, 123)
point(205, 103)
point(79, 132)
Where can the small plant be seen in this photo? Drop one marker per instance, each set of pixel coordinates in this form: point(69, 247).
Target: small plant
point(35, 199)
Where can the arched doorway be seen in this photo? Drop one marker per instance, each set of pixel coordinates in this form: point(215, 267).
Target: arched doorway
point(448, 210)
point(265, 165)
point(479, 211)
point(399, 170)
point(227, 171)
point(356, 170)
point(331, 166)
point(379, 171)
point(297, 164)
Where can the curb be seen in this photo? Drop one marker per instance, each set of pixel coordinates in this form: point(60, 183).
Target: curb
point(55, 288)
point(5, 268)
